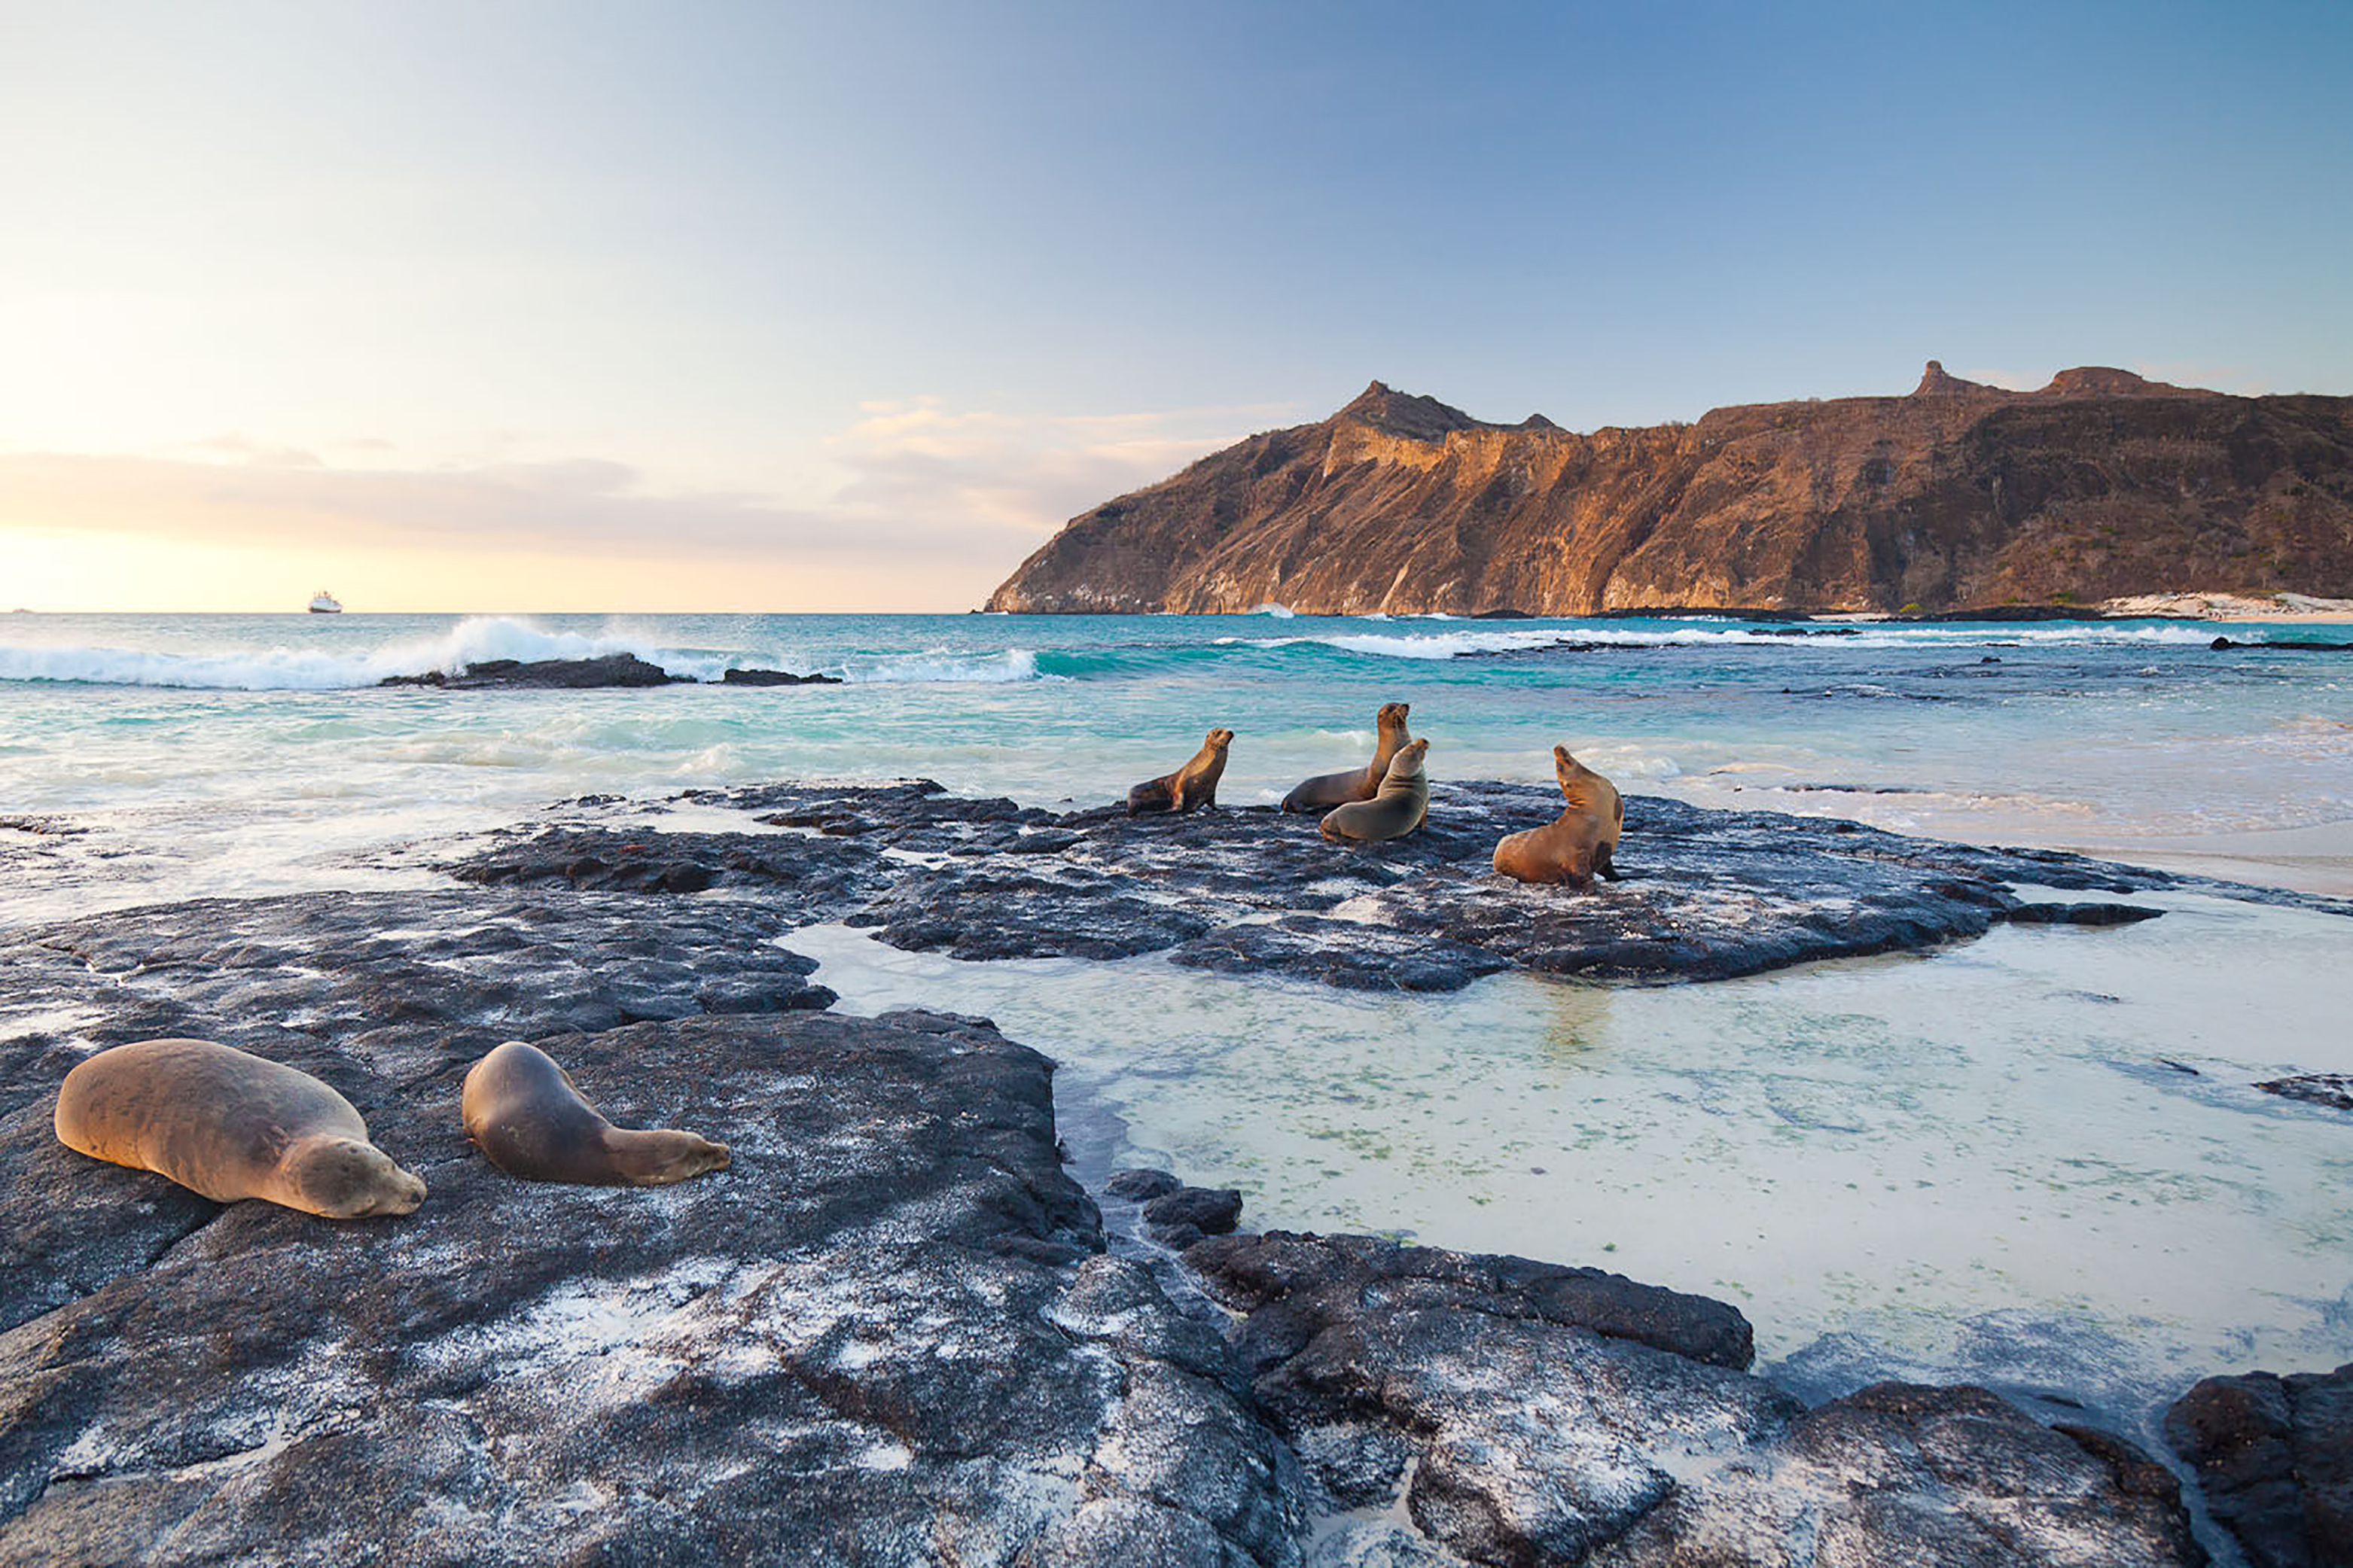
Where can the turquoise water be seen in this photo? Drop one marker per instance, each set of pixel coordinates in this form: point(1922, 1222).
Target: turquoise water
point(2096, 733)
point(1973, 1163)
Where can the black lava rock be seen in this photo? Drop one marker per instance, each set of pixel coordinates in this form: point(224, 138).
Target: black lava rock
point(2329, 1089)
point(544, 674)
point(2274, 1457)
point(1183, 1216)
point(776, 678)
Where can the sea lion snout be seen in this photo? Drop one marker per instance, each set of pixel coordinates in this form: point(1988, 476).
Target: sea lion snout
point(343, 1178)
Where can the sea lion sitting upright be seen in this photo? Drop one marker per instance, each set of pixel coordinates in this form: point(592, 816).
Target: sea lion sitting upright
point(522, 1110)
point(1400, 807)
point(1325, 791)
point(230, 1125)
point(1195, 783)
point(1577, 844)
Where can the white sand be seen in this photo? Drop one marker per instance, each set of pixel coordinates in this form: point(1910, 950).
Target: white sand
point(2217, 606)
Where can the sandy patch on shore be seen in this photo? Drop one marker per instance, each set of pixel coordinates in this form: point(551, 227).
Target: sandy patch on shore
point(2222, 606)
point(2317, 858)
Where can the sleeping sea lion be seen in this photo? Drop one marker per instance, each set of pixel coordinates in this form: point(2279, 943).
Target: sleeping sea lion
point(1578, 843)
point(1396, 811)
point(1325, 791)
point(1195, 783)
point(522, 1110)
point(230, 1125)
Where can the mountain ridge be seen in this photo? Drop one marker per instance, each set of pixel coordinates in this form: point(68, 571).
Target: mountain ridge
point(1958, 495)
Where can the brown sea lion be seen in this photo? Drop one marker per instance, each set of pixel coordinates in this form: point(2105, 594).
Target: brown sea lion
point(1325, 791)
point(230, 1125)
point(1194, 784)
point(522, 1110)
point(1400, 807)
point(1577, 845)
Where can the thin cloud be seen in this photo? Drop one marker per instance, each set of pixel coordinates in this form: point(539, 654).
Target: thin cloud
point(968, 491)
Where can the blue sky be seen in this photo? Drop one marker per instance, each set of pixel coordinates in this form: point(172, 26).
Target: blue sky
point(604, 305)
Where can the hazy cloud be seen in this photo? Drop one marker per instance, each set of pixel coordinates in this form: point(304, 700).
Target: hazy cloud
point(966, 492)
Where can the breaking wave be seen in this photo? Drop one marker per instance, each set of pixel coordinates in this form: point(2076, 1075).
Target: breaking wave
point(473, 641)
point(1462, 644)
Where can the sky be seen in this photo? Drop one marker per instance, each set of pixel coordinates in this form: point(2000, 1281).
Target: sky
point(503, 305)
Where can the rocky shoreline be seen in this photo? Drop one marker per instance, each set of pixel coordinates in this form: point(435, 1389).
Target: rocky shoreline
point(895, 1329)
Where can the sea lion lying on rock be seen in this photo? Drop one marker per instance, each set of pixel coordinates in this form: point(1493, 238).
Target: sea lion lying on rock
point(522, 1110)
point(1577, 842)
point(1325, 791)
point(1400, 807)
point(230, 1125)
point(1194, 784)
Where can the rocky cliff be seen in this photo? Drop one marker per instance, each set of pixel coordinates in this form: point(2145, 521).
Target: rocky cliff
point(1960, 495)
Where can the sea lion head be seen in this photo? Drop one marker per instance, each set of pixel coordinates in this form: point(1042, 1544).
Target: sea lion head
point(658, 1159)
point(347, 1178)
point(1393, 713)
point(1566, 768)
point(1219, 740)
point(1408, 760)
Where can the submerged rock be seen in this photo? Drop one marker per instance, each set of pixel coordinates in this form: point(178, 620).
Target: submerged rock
point(2330, 1089)
point(2274, 1456)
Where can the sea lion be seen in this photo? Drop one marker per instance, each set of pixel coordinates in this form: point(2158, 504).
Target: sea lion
point(1400, 807)
point(1325, 791)
point(1195, 783)
point(1577, 845)
point(523, 1111)
point(230, 1125)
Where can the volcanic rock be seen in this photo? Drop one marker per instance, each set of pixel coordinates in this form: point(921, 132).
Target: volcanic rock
point(886, 1333)
point(2330, 1089)
point(889, 1332)
point(1960, 496)
point(2274, 1457)
point(563, 674)
point(1529, 1414)
point(776, 678)
point(1707, 894)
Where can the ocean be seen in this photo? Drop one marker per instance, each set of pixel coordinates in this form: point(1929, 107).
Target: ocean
point(2035, 1160)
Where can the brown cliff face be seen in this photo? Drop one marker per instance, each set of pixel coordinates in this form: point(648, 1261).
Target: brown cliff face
point(1958, 496)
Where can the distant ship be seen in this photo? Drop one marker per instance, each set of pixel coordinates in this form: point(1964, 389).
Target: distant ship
point(323, 603)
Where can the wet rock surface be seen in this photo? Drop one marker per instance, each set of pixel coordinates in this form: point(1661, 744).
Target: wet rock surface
point(2274, 1457)
point(619, 669)
point(1706, 895)
point(776, 678)
point(1525, 1413)
point(2334, 1089)
point(893, 1330)
point(626, 669)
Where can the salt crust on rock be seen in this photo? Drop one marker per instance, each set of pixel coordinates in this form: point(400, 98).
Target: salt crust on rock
point(885, 1334)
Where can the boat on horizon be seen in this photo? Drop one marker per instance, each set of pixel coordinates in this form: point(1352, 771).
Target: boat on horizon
point(325, 603)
